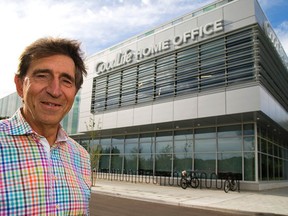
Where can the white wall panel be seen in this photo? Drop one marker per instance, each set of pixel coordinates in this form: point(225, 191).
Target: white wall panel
point(185, 109)
point(210, 17)
point(142, 115)
point(125, 118)
point(243, 100)
point(273, 109)
point(162, 112)
point(211, 105)
point(231, 11)
point(109, 120)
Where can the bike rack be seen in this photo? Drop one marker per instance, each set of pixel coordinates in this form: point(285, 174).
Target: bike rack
point(206, 180)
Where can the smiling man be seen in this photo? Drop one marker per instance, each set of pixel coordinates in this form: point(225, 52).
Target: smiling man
point(43, 171)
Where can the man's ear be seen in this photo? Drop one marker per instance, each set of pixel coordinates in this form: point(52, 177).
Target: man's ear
point(19, 85)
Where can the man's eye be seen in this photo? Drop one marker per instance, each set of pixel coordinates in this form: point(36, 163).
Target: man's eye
point(41, 76)
point(67, 82)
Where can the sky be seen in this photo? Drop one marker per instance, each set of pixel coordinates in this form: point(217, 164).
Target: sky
point(98, 24)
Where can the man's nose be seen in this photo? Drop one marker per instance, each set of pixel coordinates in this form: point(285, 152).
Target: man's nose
point(54, 88)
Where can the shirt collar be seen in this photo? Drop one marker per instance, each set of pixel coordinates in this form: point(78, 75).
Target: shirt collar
point(17, 125)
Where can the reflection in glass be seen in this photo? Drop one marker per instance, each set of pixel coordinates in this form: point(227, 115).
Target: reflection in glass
point(116, 163)
point(249, 166)
point(117, 145)
point(230, 131)
point(205, 133)
point(205, 162)
point(249, 144)
point(205, 145)
point(230, 162)
point(183, 146)
point(130, 163)
point(230, 144)
point(164, 147)
point(163, 164)
point(182, 162)
point(131, 144)
point(146, 163)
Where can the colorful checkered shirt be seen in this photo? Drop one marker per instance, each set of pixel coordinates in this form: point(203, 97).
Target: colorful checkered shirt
point(31, 182)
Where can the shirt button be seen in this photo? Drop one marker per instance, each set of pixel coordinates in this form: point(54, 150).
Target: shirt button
point(57, 206)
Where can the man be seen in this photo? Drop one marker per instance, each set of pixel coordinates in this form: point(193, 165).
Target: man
point(42, 170)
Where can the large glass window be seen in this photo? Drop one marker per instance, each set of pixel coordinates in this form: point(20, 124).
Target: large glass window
point(113, 90)
point(99, 94)
point(146, 164)
point(230, 162)
point(187, 71)
point(146, 153)
point(128, 87)
point(183, 148)
point(117, 152)
point(130, 163)
point(228, 148)
point(249, 166)
point(205, 145)
point(117, 145)
point(131, 144)
point(163, 164)
point(164, 150)
point(182, 162)
point(272, 155)
point(230, 144)
point(205, 162)
point(205, 133)
point(131, 153)
point(105, 145)
point(165, 76)
point(212, 58)
point(183, 142)
point(146, 81)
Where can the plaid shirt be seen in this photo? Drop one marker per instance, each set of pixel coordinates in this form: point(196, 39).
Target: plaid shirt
point(31, 182)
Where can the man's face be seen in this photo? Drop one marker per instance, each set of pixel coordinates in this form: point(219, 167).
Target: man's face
point(48, 91)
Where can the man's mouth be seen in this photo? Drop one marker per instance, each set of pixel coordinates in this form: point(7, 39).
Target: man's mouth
point(51, 104)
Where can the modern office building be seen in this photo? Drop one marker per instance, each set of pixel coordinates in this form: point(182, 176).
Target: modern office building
point(206, 91)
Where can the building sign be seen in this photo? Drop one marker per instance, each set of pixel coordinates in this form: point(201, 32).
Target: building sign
point(276, 43)
point(179, 40)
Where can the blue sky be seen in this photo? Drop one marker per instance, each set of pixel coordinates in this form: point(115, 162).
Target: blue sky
point(98, 24)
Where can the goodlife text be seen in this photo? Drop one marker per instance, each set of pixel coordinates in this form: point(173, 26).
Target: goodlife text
point(129, 56)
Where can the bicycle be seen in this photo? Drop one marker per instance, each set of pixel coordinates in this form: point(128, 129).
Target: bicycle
point(230, 184)
point(191, 180)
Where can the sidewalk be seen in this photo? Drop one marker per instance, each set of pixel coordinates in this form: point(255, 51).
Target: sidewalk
point(272, 201)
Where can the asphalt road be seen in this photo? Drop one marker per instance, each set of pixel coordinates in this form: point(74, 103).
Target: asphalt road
point(103, 205)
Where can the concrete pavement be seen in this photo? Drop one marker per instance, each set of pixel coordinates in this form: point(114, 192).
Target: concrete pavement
point(270, 202)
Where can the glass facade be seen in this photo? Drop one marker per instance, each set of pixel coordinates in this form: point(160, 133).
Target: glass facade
point(272, 156)
point(227, 148)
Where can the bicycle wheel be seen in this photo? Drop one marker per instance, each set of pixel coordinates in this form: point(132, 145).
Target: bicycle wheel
point(226, 186)
point(183, 183)
point(233, 185)
point(194, 182)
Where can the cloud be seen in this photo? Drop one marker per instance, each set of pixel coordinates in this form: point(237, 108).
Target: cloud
point(282, 33)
